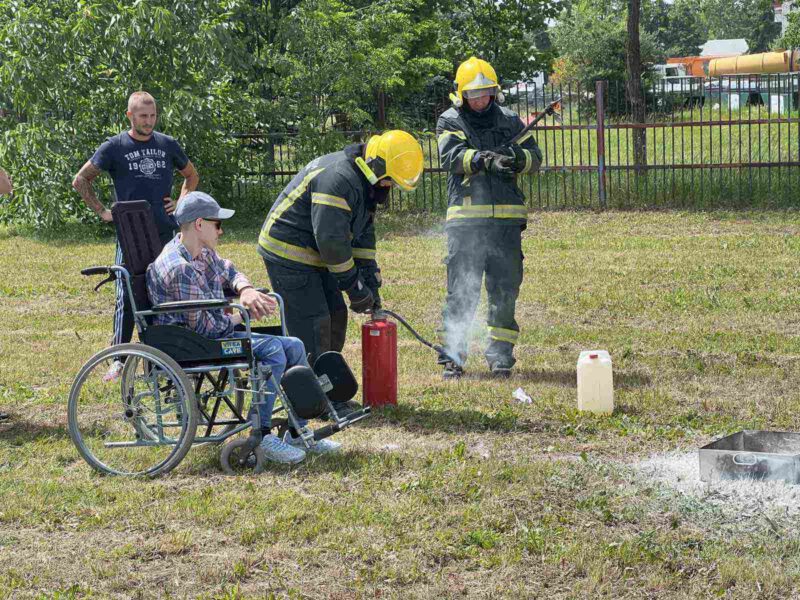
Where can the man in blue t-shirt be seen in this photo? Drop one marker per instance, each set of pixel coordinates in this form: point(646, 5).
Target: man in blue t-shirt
point(140, 162)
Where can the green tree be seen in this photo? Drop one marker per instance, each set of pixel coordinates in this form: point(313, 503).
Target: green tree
point(753, 20)
point(791, 37)
point(214, 66)
point(677, 27)
point(67, 73)
point(501, 33)
point(592, 43)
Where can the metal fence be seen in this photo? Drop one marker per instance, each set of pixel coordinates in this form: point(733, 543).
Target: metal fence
point(709, 143)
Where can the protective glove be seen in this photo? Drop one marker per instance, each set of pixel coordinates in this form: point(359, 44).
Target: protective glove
point(372, 279)
point(361, 298)
point(518, 159)
point(499, 164)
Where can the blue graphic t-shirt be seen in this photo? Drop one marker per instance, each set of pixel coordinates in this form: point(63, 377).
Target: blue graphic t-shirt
point(143, 171)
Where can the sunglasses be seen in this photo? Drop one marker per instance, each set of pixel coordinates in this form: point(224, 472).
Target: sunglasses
point(217, 224)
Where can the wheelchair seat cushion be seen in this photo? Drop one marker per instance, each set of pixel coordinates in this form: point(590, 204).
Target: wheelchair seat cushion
point(190, 349)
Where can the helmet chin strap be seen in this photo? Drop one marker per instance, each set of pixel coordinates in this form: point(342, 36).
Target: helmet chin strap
point(368, 173)
point(379, 193)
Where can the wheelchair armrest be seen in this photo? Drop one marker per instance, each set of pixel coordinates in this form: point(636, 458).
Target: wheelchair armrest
point(190, 304)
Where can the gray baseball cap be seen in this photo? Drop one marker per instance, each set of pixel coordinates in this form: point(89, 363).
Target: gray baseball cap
point(199, 205)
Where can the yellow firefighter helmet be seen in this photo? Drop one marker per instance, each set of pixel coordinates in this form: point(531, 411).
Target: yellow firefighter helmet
point(475, 77)
point(394, 154)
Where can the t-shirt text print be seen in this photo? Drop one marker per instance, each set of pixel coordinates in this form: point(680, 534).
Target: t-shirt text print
point(147, 161)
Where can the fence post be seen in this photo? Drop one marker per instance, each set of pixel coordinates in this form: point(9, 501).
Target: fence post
point(599, 97)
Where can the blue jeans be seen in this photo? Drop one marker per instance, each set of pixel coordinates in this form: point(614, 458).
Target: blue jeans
point(278, 353)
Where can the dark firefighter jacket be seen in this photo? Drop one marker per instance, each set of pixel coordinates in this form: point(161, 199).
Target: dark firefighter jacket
point(324, 219)
point(476, 196)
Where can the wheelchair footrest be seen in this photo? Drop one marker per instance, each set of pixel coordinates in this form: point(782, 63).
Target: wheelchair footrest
point(352, 418)
point(357, 416)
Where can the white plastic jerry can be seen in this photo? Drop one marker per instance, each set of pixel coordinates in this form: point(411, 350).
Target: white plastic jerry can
point(595, 382)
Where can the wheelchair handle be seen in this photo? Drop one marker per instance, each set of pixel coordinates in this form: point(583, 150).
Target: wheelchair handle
point(96, 271)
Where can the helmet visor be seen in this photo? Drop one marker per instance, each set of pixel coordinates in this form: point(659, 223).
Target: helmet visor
point(406, 183)
point(487, 91)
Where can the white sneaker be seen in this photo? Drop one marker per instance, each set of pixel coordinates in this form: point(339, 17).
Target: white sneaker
point(323, 446)
point(278, 451)
point(114, 372)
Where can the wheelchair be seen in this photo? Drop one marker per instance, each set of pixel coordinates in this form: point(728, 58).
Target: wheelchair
point(177, 388)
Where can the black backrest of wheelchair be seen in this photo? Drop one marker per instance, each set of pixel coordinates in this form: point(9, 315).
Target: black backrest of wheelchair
point(140, 244)
point(344, 382)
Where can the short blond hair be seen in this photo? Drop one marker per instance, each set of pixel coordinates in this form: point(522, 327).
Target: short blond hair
point(140, 97)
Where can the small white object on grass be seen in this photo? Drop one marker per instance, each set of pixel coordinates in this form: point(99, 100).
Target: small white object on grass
point(521, 397)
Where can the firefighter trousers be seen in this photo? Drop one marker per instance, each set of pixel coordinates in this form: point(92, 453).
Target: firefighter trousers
point(315, 309)
point(492, 251)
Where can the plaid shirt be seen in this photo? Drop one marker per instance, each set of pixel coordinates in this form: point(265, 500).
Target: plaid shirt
point(174, 275)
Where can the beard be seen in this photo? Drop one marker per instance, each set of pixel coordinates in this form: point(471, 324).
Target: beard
point(143, 129)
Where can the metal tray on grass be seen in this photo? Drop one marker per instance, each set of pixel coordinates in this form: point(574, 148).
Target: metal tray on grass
point(752, 455)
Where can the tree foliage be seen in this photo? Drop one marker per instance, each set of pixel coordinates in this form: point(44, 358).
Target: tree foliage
point(589, 35)
point(219, 66)
point(791, 37)
point(591, 40)
point(753, 20)
point(499, 33)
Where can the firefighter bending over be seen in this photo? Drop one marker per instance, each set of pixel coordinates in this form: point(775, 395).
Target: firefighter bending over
point(486, 215)
point(319, 237)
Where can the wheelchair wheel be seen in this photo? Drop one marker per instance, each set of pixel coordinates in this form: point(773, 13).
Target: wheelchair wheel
point(144, 424)
point(236, 459)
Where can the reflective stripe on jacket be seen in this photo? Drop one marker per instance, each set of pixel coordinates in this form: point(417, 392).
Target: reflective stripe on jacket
point(324, 219)
point(474, 195)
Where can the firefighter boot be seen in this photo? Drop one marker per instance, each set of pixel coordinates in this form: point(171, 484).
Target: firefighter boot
point(500, 358)
point(500, 370)
point(452, 370)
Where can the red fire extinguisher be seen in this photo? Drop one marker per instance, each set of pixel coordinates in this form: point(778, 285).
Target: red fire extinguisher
point(379, 362)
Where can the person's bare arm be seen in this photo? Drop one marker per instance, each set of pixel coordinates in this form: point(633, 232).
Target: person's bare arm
point(190, 181)
point(5, 183)
point(83, 185)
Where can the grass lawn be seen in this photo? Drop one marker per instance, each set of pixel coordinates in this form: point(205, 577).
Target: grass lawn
point(460, 491)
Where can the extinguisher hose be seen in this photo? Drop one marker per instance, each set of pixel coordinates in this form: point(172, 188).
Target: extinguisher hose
point(413, 331)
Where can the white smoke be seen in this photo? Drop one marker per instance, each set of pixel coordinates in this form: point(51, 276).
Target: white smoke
point(460, 333)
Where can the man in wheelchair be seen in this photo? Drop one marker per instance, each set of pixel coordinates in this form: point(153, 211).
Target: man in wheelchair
point(189, 269)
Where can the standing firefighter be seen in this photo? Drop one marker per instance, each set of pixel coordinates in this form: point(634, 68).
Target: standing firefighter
point(319, 238)
point(485, 216)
